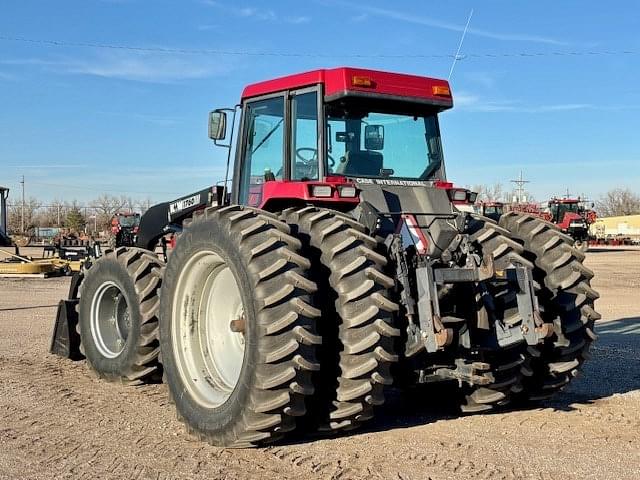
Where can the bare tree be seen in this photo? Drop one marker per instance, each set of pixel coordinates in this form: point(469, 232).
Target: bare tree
point(489, 193)
point(15, 215)
point(143, 205)
point(105, 206)
point(619, 201)
point(53, 214)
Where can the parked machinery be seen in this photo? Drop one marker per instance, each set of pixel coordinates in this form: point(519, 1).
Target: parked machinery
point(493, 210)
point(334, 268)
point(570, 215)
point(124, 228)
point(573, 218)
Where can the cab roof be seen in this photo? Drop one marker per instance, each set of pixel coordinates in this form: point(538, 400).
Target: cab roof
point(348, 81)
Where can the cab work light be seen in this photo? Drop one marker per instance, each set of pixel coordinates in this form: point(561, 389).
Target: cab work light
point(457, 195)
point(347, 191)
point(360, 81)
point(321, 191)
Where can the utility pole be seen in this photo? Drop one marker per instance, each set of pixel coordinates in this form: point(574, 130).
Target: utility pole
point(22, 216)
point(520, 182)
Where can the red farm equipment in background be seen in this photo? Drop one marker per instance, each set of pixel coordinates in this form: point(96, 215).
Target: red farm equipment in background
point(124, 228)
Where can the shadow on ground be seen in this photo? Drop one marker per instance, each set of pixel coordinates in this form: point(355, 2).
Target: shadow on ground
point(613, 369)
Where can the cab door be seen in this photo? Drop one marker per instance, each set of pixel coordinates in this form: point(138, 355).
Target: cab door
point(263, 151)
point(281, 140)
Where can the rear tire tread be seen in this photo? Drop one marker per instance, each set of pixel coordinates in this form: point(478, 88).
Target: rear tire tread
point(363, 308)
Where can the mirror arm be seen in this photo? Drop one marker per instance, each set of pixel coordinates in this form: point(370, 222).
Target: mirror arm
point(228, 146)
point(233, 119)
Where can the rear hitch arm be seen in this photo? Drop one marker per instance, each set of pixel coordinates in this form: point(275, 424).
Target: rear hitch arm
point(532, 329)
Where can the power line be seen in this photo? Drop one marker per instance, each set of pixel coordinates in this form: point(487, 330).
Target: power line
point(190, 51)
point(520, 182)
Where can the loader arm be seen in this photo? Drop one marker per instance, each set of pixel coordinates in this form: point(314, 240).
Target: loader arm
point(167, 217)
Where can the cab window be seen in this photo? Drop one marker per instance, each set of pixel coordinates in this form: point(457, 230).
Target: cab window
point(264, 152)
point(304, 137)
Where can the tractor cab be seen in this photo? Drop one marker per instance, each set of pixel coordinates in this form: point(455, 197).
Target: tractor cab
point(493, 210)
point(570, 216)
point(559, 208)
point(320, 137)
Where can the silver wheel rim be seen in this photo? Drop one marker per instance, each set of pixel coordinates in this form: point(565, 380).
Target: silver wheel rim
point(110, 320)
point(207, 308)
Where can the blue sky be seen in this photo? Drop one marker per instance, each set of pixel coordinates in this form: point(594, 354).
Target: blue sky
point(79, 121)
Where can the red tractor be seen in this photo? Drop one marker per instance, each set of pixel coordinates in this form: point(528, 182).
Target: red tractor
point(124, 228)
point(336, 266)
point(572, 218)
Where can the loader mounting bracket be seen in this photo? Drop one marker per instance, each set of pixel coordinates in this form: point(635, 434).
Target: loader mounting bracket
point(65, 340)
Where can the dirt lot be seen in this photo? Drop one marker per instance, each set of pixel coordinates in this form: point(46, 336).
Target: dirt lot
point(58, 421)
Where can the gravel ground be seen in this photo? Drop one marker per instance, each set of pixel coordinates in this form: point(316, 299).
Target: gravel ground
point(59, 421)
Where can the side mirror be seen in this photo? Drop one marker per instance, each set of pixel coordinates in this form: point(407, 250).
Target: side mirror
point(374, 137)
point(217, 125)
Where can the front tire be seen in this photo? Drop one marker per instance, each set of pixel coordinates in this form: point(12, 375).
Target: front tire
point(237, 329)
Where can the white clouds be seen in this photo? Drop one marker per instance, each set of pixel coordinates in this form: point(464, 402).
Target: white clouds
point(134, 66)
point(436, 23)
point(360, 18)
point(7, 76)
point(470, 102)
point(257, 13)
point(297, 20)
point(484, 79)
point(145, 68)
point(463, 99)
point(207, 26)
point(157, 120)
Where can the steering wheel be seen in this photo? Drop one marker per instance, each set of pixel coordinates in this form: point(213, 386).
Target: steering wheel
point(314, 158)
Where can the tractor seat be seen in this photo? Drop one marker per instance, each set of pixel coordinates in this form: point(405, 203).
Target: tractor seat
point(367, 163)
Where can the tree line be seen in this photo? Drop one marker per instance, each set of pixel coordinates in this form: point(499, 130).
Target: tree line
point(94, 217)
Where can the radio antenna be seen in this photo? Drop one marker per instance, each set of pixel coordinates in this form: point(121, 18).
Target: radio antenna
point(457, 55)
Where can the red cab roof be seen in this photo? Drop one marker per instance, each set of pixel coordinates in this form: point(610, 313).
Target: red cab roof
point(344, 81)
